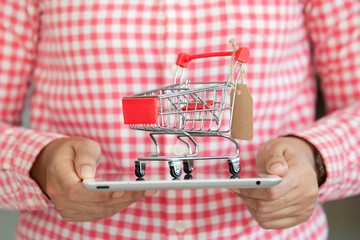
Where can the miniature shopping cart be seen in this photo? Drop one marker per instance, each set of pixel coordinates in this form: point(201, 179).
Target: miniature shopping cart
point(187, 109)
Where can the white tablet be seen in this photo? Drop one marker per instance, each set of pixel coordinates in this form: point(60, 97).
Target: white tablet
point(197, 179)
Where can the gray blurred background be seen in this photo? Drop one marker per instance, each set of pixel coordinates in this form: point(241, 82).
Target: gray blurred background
point(343, 215)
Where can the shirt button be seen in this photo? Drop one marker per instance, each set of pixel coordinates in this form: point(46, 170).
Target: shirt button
point(180, 226)
point(179, 149)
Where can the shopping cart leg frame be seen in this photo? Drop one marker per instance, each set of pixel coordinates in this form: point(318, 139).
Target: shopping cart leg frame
point(174, 162)
point(188, 164)
point(156, 144)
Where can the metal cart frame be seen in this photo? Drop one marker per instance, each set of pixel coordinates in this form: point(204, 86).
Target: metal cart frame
point(187, 109)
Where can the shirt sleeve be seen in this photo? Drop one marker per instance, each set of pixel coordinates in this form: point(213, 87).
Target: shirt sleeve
point(334, 30)
point(18, 146)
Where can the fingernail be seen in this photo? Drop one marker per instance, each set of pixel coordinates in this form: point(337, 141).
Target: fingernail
point(235, 190)
point(87, 171)
point(118, 194)
point(150, 193)
point(276, 167)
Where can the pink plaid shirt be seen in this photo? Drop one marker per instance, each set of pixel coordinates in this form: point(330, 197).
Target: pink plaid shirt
point(84, 56)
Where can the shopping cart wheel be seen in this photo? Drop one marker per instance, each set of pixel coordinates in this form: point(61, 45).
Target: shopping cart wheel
point(140, 168)
point(175, 168)
point(234, 166)
point(235, 177)
point(188, 177)
point(188, 166)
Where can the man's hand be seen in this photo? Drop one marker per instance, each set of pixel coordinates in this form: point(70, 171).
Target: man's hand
point(293, 200)
point(59, 169)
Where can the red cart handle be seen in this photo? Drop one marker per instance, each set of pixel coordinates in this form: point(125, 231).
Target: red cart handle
point(242, 55)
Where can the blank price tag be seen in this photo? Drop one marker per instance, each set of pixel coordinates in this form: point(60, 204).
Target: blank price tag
point(242, 120)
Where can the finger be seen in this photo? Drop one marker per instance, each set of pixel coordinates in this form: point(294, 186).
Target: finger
point(276, 165)
point(294, 198)
point(283, 222)
point(75, 212)
point(270, 159)
point(113, 197)
point(150, 193)
point(77, 193)
point(129, 196)
point(284, 218)
point(72, 188)
point(297, 210)
point(268, 207)
point(286, 186)
point(87, 157)
point(73, 191)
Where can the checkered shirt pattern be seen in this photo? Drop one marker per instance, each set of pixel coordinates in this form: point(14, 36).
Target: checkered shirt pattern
point(84, 56)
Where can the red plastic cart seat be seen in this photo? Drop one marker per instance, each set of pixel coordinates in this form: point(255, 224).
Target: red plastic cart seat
point(142, 110)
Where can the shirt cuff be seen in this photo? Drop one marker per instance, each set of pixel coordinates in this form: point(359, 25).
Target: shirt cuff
point(327, 141)
point(21, 147)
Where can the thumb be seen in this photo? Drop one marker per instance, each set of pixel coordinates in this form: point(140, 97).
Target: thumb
point(277, 165)
point(87, 157)
point(274, 165)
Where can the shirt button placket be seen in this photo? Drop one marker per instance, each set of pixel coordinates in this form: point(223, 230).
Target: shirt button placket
point(180, 226)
